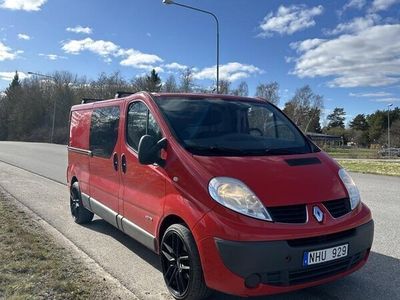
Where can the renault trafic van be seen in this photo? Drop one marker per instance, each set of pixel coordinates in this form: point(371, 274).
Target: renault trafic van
point(227, 190)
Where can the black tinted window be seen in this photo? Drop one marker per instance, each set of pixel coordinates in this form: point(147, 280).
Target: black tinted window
point(104, 130)
point(231, 127)
point(140, 122)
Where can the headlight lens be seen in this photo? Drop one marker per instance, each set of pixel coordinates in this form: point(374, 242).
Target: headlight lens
point(235, 195)
point(351, 187)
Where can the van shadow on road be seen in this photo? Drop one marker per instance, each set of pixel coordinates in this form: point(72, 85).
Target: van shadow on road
point(378, 279)
point(99, 225)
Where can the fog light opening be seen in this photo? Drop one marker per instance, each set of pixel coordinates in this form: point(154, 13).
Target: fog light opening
point(252, 281)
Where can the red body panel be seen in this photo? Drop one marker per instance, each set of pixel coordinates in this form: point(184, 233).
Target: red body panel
point(147, 194)
point(143, 187)
point(78, 165)
point(104, 179)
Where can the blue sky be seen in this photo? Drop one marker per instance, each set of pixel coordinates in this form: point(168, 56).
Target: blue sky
point(348, 51)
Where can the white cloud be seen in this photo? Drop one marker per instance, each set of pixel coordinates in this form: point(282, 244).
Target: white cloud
point(23, 36)
point(288, 20)
point(387, 100)
point(355, 25)
point(52, 56)
point(357, 4)
point(137, 59)
point(27, 5)
point(108, 50)
point(8, 76)
point(80, 29)
point(232, 71)
point(100, 47)
point(378, 5)
point(175, 66)
point(367, 58)
point(305, 45)
point(6, 53)
point(370, 95)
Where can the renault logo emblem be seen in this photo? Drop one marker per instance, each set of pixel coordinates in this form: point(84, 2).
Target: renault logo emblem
point(318, 214)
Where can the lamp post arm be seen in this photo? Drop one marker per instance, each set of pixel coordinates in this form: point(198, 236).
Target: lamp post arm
point(42, 75)
point(217, 23)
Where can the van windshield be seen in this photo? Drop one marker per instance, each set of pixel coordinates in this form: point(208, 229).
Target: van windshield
point(231, 127)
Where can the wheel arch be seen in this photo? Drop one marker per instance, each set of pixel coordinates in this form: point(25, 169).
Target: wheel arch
point(165, 223)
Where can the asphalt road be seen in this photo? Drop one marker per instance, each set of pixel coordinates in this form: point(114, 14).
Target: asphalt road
point(138, 268)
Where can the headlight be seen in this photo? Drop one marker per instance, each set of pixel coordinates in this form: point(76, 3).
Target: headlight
point(351, 187)
point(235, 195)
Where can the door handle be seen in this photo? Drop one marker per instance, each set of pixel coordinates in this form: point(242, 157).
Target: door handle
point(123, 163)
point(115, 161)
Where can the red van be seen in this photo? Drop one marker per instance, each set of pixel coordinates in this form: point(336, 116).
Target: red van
point(227, 190)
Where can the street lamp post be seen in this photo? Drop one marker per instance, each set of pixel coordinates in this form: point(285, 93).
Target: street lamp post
point(217, 23)
point(55, 102)
point(389, 105)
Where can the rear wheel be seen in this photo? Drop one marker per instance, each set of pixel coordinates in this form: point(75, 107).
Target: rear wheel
point(181, 265)
point(80, 214)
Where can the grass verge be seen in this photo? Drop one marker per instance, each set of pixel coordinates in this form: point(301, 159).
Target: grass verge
point(391, 168)
point(356, 153)
point(33, 266)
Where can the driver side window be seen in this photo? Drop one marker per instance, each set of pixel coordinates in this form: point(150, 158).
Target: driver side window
point(140, 122)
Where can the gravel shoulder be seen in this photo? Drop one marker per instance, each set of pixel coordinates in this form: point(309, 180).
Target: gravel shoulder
point(37, 265)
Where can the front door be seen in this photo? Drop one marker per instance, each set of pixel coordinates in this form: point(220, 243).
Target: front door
point(104, 165)
point(143, 185)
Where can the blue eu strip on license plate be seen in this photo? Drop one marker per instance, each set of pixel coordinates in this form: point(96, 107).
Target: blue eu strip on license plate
point(325, 255)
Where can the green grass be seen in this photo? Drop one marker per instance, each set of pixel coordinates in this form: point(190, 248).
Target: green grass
point(356, 153)
point(380, 167)
point(33, 266)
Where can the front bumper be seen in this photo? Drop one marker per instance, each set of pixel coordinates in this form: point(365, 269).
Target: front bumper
point(280, 263)
point(249, 268)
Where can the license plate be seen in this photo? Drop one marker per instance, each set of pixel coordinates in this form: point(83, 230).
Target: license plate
point(324, 255)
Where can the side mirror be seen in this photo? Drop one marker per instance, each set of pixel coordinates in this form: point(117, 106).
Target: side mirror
point(149, 150)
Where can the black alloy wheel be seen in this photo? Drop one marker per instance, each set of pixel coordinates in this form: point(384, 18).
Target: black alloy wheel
point(181, 264)
point(80, 214)
point(74, 203)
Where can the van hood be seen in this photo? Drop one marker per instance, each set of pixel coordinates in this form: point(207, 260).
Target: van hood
point(282, 180)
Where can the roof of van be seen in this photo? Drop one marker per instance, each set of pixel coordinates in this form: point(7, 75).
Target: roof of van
point(207, 95)
point(89, 102)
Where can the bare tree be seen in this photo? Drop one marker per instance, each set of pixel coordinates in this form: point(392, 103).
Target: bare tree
point(268, 91)
point(304, 107)
point(241, 90)
point(186, 81)
point(170, 85)
point(224, 86)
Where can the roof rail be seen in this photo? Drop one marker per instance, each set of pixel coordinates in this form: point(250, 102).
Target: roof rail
point(90, 100)
point(123, 94)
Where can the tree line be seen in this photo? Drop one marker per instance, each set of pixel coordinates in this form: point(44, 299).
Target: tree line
point(27, 106)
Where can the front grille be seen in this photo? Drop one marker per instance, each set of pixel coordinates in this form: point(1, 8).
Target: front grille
point(289, 214)
point(338, 208)
point(321, 239)
point(313, 273)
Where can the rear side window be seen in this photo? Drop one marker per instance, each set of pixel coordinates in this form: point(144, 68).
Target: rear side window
point(140, 122)
point(104, 130)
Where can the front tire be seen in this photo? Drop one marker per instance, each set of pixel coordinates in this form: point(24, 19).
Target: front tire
point(181, 264)
point(80, 214)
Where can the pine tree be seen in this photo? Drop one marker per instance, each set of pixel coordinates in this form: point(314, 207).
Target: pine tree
point(11, 126)
point(336, 118)
point(153, 82)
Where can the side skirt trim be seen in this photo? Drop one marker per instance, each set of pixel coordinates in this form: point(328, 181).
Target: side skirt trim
point(86, 201)
point(103, 211)
point(138, 234)
point(118, 221)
